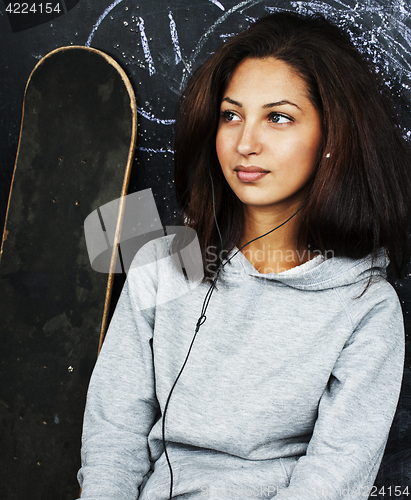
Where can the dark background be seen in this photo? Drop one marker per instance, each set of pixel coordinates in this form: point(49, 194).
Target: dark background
point(179, 34)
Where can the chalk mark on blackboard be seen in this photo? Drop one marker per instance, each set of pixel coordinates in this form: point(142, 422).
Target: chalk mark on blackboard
point(152, 118)
point(146, 47)
point(151, 150)
point(223, 36)
point(174, 38)
point(203, 39)
point(216, 2)
point(379, 31)
point(100, 19)
point(388, 53)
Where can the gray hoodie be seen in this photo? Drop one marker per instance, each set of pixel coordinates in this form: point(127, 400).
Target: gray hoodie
point(289, 391)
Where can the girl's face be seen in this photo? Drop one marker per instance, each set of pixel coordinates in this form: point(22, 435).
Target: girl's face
point(269, 134)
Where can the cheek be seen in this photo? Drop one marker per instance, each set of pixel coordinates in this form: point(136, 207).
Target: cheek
point(314, 140)
point(221, 148)
point(306, 151)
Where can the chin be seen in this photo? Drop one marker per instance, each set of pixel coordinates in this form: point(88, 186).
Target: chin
point(258, 203)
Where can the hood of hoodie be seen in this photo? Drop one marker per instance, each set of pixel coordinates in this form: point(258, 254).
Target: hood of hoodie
point(327, 273)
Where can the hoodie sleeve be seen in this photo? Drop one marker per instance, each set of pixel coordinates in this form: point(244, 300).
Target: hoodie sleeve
point(356, 409)
point(121, 404)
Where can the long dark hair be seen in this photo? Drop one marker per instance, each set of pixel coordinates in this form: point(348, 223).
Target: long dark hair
point(360, 198)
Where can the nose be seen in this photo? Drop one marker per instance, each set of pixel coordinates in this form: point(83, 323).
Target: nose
point(249, 142)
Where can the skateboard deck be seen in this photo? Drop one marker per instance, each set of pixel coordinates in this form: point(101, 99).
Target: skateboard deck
point(75, 154)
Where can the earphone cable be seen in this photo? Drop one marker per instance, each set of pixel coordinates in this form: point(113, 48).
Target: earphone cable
point(265, 234)
point(201, 320)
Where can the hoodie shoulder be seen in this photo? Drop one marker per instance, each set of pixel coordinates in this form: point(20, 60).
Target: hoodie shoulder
point(377, 297)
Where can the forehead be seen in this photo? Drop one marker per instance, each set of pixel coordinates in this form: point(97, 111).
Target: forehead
point(266, 78)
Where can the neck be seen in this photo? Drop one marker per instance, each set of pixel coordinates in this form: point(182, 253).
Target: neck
point(278, 250)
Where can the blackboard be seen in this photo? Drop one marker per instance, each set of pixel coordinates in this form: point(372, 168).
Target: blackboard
point(159, 44)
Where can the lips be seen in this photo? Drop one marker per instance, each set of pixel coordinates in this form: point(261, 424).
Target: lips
point(250, 174)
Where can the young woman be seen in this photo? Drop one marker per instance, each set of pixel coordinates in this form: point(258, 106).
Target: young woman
point(279, 373)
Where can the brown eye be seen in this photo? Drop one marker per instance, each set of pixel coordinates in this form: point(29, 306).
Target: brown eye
point(229, 116)
point(279, 118)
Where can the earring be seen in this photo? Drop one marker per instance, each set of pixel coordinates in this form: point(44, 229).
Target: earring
point(327, 155)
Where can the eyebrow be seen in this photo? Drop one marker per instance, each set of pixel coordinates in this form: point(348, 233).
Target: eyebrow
point(266, 106)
